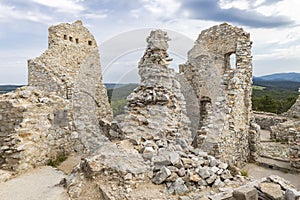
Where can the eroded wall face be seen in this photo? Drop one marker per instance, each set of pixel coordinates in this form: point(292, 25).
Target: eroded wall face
point(156, 108)
point(61, 109)
point(71, 69)
point(223, 91)
point(35, 128)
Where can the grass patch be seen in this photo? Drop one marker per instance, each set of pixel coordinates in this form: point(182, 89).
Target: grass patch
point(244, 172)
point(59, 159)
point(257, 87)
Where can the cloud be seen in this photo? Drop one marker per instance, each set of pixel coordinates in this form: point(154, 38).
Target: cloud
point(162, 8)
point(95, 16)
point(10, 13)
point(67, 6)
point(211, 10)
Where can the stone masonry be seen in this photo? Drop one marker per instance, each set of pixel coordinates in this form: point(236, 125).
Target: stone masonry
point(156, 129)
point(61, 109)
point(156, 108)
point(294, 111)
point(148, 158)
point(35, 128)
point(223, 91)
point(152, 151)
point(70, 68)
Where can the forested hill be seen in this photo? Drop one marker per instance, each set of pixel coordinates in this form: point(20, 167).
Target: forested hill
point(294, 77)
point(280, 81)
point(8, 88)
point(276, 92)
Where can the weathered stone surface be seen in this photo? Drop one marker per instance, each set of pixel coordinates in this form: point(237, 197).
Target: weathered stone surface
point(294, 111)
point(223, 91)
point(70, 68)
point(59, 112)
point(271, 190)
point(161, 176)
point(34, 129)
point(178, 187)
point(245, 194)
point(156, 108)
point(292, 194)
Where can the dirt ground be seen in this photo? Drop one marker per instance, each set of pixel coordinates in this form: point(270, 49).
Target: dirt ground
point(37, 184)
point(260, 172)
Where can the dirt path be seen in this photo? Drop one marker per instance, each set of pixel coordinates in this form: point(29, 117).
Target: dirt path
point(265, 135)
point(260, 172)
point(37, 184)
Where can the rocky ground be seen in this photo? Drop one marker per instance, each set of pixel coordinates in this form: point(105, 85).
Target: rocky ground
point(43, 182)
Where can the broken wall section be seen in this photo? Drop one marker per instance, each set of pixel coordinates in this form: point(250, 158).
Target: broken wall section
point(70, 68)
point(156, 108)
point(35, 128)
point(223, 91)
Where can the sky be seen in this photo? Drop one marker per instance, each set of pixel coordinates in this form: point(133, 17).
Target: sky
point(121, 27)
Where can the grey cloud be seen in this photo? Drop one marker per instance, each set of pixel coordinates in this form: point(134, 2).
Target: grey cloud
point(210, 10)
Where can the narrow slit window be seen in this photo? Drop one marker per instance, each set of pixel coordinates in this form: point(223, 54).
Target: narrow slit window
point(77, 40)
point(233, 61)
point(65, 37)
point(71, 39)
point(90, 42)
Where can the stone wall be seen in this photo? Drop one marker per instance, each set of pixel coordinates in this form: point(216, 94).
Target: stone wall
point(223, 91)
point(35, 128)
point(294, 111)
point(289, 133)
point(70, 68)
point(267, 120)
point(156, 108)
point(62, 108)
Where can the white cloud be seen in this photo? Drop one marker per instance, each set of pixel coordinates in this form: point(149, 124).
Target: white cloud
point(240, 4)
point(68, 6)
point(162, 8)
point(10, 13)
point(288, 53)
point(95, 16)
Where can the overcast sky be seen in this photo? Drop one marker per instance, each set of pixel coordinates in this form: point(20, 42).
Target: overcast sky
point(121, 26)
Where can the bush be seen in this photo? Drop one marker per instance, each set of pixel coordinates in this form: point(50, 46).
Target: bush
point(244, 172)
point(59, 159)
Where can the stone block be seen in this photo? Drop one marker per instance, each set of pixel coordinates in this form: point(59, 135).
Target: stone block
point(246, 193)
point(271, 190)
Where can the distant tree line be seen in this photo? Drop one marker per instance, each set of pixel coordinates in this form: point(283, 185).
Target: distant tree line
point(275, 101)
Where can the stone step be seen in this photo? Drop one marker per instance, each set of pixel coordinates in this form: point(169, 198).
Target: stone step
point(284, 166)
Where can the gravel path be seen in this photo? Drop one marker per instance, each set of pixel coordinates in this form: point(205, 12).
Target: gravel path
point(37, 184)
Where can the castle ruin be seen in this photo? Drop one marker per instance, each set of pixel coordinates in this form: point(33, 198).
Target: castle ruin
point(181, 135)
point(223, 91)
point(60, 109)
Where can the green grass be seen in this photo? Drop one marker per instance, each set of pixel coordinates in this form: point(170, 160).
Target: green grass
point(244, 172)
point(257, 87)
point(59, 159)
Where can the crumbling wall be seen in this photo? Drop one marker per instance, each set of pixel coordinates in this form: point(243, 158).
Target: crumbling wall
point(34, 129)
point(70, 68)
point(294, 111)
point(223, 91)
point(267, 120)
point(156, 108)
point(61, 109)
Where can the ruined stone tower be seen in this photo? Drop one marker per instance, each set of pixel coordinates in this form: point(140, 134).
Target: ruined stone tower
point(157, 106)
point(223, 91)
point(70, 68)
point(59, 112)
